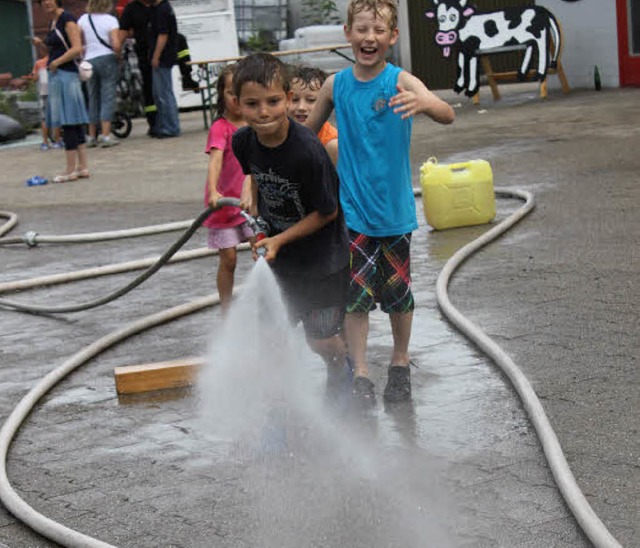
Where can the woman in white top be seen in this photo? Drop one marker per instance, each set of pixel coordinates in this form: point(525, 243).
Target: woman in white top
point(102, 48)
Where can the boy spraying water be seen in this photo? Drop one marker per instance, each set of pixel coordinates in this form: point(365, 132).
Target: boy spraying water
point(293, 186)
point(375, 103)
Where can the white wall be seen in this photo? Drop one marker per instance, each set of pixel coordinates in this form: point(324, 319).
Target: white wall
point(590, 38)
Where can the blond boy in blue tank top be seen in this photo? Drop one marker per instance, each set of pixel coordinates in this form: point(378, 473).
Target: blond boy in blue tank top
point(374, 103)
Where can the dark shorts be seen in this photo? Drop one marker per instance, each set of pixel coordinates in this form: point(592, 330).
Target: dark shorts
point(318, 304)
point(380, 272)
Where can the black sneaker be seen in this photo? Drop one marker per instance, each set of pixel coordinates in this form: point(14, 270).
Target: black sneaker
point(398, 384)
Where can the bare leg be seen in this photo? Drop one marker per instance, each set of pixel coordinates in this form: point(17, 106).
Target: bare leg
point(356, 326)
point(82, 157)
point(332, 350)
point(92, 131)
point(70, 156)
point(106, 127)
point(225, 279)
point(57, 135)
point(45, 132)
point(339, 376)
point(401, 331)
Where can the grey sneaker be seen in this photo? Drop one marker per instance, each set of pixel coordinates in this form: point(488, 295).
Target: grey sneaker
point(398, 384)
point(109, 141)
point(91, 142)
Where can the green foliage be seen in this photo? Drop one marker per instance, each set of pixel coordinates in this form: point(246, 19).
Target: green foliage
point(30, 93)
point(9, 106)
point(261, 40)
point(320, 12)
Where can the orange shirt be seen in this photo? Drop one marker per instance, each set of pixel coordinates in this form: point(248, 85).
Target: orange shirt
point(327, 133)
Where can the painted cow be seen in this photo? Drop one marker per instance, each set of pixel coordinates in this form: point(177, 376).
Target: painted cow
point(458, 23)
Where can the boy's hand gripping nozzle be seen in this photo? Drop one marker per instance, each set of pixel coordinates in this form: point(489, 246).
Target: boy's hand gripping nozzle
point(260, 229)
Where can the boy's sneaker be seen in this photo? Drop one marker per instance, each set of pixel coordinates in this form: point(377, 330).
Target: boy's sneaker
point(92, 142)
point(44, 146)
point(398, 384)
point(58, 144)
point(109, 141)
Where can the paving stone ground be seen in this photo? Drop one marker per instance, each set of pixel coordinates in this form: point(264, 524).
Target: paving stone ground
point(461, 466)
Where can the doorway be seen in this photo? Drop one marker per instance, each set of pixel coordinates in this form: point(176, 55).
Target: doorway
point(628, 13)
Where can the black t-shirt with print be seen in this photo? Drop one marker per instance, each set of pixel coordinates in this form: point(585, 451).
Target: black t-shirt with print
point(295, 179)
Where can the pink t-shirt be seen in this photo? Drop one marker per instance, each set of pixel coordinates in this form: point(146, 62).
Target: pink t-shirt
point(231, 176)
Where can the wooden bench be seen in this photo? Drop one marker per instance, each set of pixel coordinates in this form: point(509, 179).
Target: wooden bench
point(209, 70)
point(511, 76)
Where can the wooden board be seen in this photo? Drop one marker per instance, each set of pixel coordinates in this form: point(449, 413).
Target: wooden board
point(133, 379)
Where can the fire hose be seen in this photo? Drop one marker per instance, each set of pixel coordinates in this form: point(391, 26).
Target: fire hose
point(590, 523)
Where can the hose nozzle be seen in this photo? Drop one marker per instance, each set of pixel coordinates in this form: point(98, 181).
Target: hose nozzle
point(260, 229)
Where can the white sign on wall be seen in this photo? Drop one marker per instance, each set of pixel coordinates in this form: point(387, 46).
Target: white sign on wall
point(210, 29)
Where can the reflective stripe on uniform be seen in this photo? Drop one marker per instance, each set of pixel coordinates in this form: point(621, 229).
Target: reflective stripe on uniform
point(183, 53)
point(150, 108)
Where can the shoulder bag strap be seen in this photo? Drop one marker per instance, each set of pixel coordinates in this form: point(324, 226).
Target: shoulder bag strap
point(64, 42)
point(98, 36)
point(61, 37)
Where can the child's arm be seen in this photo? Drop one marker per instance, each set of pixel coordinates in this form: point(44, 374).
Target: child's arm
point(324, 106)
point(38, 43)
point(213, 173)
point(332, 149)
point(249, 196)
point(413, 97)
point(305, 226)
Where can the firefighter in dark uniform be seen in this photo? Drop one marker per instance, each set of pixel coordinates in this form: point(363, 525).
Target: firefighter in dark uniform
point(134, 23)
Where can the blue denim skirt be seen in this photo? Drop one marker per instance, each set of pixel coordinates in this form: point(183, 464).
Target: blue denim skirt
point(65, 106)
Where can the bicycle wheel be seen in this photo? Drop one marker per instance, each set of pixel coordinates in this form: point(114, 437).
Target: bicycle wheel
point(121, 125)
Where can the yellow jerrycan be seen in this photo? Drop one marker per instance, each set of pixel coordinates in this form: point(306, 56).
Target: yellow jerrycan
point(457, 194)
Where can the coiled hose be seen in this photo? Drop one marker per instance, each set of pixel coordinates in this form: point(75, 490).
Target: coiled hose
point(566, 482)
point(32, 238)
point(592, 526)
point(161, 261)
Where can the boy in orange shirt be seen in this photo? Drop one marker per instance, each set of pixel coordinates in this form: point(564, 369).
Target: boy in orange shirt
point(305, 86)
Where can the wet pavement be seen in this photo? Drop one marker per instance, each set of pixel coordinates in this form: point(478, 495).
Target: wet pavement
point(460, 466)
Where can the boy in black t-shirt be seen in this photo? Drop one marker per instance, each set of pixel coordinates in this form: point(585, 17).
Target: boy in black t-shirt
point(294, 187)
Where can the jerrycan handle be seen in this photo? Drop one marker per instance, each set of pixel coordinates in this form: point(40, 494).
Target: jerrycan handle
point(462, 166)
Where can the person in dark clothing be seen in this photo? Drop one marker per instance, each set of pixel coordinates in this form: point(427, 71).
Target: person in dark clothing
point(134, 23)
point(163, 50)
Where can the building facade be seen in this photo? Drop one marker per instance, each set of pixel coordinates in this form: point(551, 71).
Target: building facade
point(597, 33)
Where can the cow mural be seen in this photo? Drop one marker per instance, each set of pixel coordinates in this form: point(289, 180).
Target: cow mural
point(459, 24)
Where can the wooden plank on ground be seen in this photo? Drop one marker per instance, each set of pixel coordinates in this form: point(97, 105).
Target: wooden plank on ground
point(133, 379)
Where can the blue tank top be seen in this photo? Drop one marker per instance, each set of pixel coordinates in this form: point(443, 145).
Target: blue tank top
point(374, 168)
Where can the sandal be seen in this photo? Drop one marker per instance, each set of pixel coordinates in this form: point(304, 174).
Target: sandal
point(66, 177)
point(83, 173)
point(363, 390)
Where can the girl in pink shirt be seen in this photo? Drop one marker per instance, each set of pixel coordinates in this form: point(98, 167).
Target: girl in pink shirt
point(227, 228)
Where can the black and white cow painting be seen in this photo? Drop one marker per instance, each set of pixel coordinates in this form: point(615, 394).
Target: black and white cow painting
point(459, 24)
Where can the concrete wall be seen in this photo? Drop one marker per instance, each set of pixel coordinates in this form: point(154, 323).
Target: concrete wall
point(590, 38)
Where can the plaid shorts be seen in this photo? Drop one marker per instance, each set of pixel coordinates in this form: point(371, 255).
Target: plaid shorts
point(380, 272)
